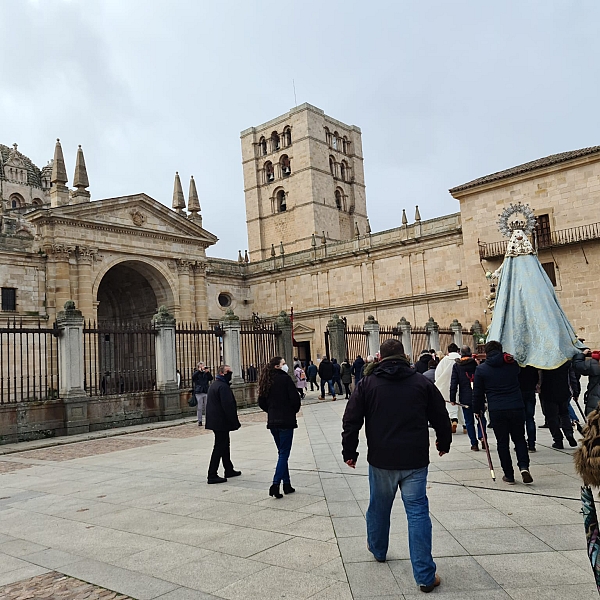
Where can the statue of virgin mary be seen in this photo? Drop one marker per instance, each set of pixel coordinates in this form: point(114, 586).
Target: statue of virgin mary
point(528, 319)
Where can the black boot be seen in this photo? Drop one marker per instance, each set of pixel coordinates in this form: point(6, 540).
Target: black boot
point(288, 489)
point(274, 491)
point(572, 441)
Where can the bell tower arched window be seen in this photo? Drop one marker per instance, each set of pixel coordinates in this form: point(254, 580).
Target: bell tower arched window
point(269, 172)
point(332, 165)
point(287, 136)
point(262, 144)
point(286, 168)
point(336, 141)
point(281, 201)
point(338, 199)
point(16, 201)
point(343, 171)
point(275, 141)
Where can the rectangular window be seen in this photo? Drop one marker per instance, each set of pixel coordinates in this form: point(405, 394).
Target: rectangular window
point(9, 299)
point(549, 268)
point(542, 231)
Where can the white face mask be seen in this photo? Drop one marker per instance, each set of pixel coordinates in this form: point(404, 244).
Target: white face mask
point(285, 368)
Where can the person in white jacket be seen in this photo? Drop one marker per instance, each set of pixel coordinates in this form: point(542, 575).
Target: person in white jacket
point(443, 375)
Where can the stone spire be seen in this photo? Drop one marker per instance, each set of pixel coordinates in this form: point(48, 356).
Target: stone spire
point(368, 227)
point(417, 214)
point(80, 181)
point(240, 259)
point(272, 249)
point(194, 202)
point(404, 217)
point(246, 257)
point(356, 230)
point(178, 199)
point(59, 192)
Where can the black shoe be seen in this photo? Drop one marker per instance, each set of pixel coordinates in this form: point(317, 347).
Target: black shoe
point(544, 426)
point(199, 424)
point(558, 445)
point(532, 449)
point(288, 489)
point(572, 441)
point(233, 473)
point(274, 491)
point(579, 427)
point(526, 476)
point(429, 588)
point(381, 560)
point(216, 479)
point(510, 480)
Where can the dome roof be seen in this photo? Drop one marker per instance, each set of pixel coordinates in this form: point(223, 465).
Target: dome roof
point(34, 175)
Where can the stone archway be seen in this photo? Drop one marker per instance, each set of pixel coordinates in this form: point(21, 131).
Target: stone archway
point(131, 292)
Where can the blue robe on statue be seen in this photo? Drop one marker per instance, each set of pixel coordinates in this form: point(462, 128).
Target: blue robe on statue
point(528, 320)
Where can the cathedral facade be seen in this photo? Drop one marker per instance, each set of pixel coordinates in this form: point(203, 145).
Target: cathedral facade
point(310, 242)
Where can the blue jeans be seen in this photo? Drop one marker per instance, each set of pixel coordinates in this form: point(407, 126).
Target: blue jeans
point(529, 399)
point(283, 440)
point(413, 488)
point(470, 425)
point(330, 384)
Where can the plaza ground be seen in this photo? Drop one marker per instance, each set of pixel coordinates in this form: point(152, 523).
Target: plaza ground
point(131, 516)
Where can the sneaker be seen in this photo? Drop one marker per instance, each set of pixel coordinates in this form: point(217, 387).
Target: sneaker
point(475, 447)
point(558, 445)
point(526, 476)
point(381, 560)
point(430, 588)
point(233, 473)
point(216, 479)
point(509, 480)
point(454, 425)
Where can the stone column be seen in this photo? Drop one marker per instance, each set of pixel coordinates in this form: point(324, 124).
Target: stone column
point(337, 338)
point(185, 300)
point(71, 369)
point(285, 347)
point(201, 295)
point(85, 257)
point(371, 326)
point(59, 255)
point(166, 370)
point(405, 331)
point(231, 345)
point(456, 328)
point(434, 334)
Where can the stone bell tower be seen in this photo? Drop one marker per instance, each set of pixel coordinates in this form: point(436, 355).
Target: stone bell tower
point(303, 176)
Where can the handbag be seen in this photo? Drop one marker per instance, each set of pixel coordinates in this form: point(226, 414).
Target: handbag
point(192, 400)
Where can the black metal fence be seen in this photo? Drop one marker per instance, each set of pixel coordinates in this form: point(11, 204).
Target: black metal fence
point(28, 362)
point(119, 359)
point(258, 346)
point(386, 333)
point(193, 344)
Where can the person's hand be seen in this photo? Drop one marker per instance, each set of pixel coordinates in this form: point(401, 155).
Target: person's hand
point(587, 352)
point(351, 463)
point(441, 453)
point(453, 403)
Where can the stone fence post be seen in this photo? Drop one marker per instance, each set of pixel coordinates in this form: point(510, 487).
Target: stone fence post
point(434, 334)
point(71, 369)
point(285, 343)
point(166, 364)
point(405, 331)
point(337, 338)
point(232, 350)
point(371, 326)
point(457, 329)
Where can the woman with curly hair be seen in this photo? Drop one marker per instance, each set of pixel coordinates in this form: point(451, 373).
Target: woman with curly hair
point(278, 397)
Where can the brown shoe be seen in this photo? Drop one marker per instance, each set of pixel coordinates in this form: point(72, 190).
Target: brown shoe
point(321, 398)
point(475, 448)
point(454, 425)
point(430, 588)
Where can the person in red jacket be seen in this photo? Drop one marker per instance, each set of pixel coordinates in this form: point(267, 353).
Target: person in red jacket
point(396, 404)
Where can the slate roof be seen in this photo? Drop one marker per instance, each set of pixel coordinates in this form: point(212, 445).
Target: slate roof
point(34, 175)
point(540, 163)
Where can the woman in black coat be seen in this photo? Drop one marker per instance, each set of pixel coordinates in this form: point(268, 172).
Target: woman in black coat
point(278, 397)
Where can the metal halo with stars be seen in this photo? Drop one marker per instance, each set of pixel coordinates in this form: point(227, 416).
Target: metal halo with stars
point(516, 209)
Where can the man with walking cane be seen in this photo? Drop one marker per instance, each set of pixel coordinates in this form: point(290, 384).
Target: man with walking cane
point(497, 379)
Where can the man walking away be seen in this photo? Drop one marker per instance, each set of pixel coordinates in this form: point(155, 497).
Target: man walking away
point(311, 373)
point(528, 382)
point(221, 417)
point(326, 375)
point(357, 367)
point(396, 404)
point(430, 373)
point(201, 380)
point(555, 395)
point(337, 375)
point(463, 374)
point(498, 380)
point(443, 373)
point(346, 375)
point(422, 365)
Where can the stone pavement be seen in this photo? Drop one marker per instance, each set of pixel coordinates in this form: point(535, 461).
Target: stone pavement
point(133, 516)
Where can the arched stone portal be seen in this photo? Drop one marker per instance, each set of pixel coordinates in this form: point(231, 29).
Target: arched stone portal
point(131, 292)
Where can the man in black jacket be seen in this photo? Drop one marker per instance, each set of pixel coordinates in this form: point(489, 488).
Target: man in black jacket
point(357, 367)
point(326, 375)
point(555, 395)
point(221, 417)
point(396, 404)
point(497, 379)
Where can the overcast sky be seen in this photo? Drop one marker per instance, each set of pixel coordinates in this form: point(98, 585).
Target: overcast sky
point(444, 91)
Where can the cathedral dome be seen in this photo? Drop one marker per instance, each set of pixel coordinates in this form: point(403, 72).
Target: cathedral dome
point(7, 155)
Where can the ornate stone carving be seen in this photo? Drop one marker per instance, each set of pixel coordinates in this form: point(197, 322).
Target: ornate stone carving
point(138, 218)
point(184, 266)
point(85, 254)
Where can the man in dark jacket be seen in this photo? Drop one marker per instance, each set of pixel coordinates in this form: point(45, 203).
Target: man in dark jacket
point(498, 380)
point(346, 375)
point(422, 364)
point(326, 375)
point(396, 404)
point(461, 380)
point(337, 375)
point(201, 380)
point(587, 363)
point(311, 375)
point(357, 367)
point(221, 417)
point(555, 395)
point(528, 382)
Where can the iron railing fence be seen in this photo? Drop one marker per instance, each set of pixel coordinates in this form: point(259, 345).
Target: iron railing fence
point(356, 343)
point(386, 333)
point(419, 337)
point(119, 359)
point(446, 338)
point(29, 362)
point(258, 346)
point(562, 237)
point(193, 344)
